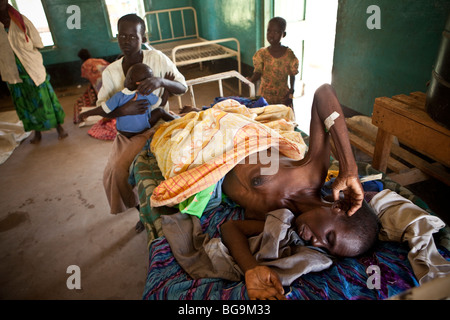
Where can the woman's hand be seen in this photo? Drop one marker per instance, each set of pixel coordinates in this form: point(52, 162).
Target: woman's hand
point(263, 284)
point(353, 192)
point(132, 107)
point(147, 86)
point(166, 94)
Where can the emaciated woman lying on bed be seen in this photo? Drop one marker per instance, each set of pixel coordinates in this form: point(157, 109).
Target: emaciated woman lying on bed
point(296, 186)
point(197, 152)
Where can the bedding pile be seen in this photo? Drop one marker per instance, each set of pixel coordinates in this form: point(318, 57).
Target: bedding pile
point(197, 150)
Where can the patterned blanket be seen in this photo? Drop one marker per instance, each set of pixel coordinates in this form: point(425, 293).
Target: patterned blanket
point(197, 150)
point(346, 279)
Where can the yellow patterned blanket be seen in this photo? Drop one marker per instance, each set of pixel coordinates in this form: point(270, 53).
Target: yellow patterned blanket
point(197, 150)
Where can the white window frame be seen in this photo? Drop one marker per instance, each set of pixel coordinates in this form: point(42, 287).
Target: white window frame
point(112, 17)
point(35, 16)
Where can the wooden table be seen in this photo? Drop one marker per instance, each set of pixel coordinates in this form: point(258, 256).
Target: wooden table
point(405, 117)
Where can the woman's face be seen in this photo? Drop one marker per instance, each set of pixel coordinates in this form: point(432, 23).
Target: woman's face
point(130, 37)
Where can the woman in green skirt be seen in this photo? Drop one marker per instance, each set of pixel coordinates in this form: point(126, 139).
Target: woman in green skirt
point(21, 66)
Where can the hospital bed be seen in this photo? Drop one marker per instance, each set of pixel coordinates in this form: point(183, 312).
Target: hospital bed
point(346, 279)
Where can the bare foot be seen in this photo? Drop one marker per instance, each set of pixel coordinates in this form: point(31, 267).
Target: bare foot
point(187, 109)
point(36, 137)
point(61, 132)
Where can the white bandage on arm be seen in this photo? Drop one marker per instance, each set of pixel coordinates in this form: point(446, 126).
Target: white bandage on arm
point(329, 121)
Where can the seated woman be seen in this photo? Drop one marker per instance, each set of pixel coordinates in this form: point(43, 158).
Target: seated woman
point(131, 125)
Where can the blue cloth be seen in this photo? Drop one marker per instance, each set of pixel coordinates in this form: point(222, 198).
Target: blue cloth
point(249, 103)
point(374, 185)
point(132, 123)
point(216, 196)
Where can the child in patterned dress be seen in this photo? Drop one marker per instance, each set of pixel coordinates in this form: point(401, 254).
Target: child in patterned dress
point(274, 65)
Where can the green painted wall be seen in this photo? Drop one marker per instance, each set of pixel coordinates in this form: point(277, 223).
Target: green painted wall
point(93, 33)
point(216, 18)
point(241, 19)
point(396, 59)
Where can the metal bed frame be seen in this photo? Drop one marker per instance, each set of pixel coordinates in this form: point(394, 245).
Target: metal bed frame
point(218, 77)
point(184, 47)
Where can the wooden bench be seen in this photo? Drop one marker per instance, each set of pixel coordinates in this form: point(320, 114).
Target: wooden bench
point(405, 117)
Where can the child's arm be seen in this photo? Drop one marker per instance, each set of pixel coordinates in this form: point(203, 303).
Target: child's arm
point(160, 113)
point(288, 98)
point(255, 77)
point(93, 112)
point(234, 236)
point(261, 281)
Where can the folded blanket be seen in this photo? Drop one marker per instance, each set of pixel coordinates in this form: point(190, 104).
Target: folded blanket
point(278, 247)
point(197, 150)
point(403, 221)
point(11, 134)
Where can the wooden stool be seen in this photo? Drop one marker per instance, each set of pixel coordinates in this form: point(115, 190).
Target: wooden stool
point(405, 117)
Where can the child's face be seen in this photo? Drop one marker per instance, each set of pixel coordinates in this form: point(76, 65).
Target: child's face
point(274, 33)
point(325, 227)
point(130, 37)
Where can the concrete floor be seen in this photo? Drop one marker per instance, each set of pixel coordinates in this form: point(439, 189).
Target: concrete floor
point(54, 214)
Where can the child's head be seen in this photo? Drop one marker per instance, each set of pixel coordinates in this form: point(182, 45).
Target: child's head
point(84, 54)
point(276, 30)
point(332, 229)
point(137, 73)
point(131, 33)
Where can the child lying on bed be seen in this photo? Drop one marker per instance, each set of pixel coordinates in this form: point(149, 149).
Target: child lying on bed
point(327, 227)
point(133, 124)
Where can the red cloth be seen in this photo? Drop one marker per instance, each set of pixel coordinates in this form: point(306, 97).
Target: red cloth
point(88, 99)
point(104, 129)
point(17, 18)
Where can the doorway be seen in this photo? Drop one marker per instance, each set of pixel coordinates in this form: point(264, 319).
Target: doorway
point(310, 33)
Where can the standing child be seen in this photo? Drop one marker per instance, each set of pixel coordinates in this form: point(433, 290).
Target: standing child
point(22, 68)
point(131, 34)
point(274, 65)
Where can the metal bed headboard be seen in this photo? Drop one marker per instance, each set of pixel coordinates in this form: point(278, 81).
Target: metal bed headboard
point(157, 13)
